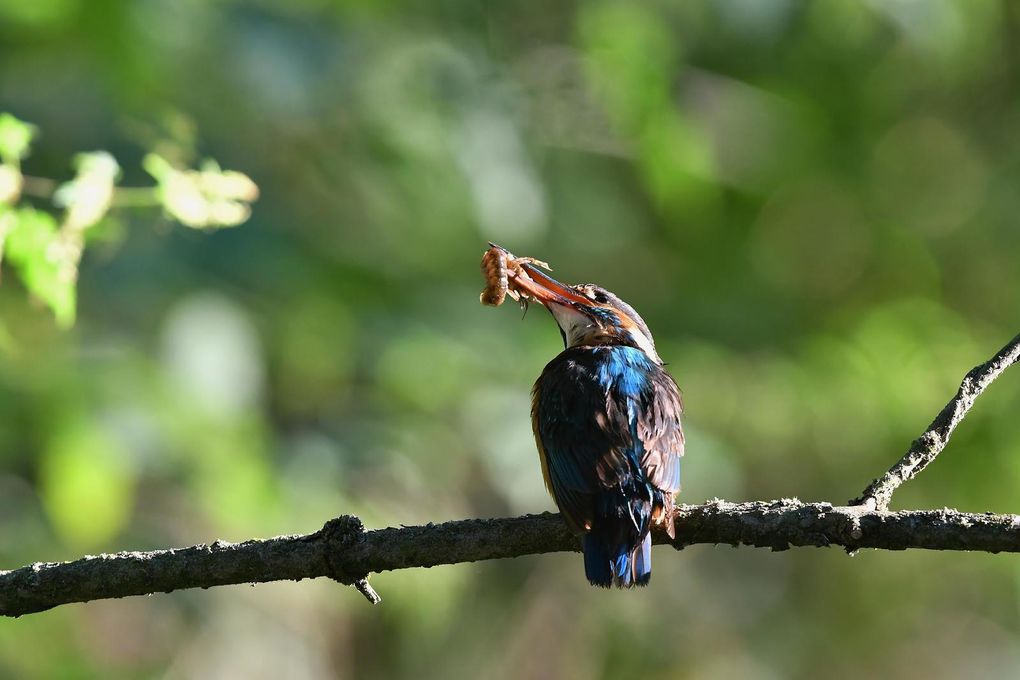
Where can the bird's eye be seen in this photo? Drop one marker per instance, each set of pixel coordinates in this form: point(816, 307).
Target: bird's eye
point(600, 298)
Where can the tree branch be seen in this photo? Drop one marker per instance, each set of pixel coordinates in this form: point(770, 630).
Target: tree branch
point(340, 550)
point(929, 445)
point(344, 551)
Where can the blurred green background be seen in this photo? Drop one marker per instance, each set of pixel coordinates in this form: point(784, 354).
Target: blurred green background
point(814, 206)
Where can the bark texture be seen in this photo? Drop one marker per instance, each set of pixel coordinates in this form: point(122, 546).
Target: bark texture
point(342, 551)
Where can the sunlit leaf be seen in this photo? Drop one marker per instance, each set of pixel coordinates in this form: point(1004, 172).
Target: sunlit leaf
point(33, 247)
point(227, 184)
point(31, 234)
point(87, 197)
point(15, 138)
point(10, 183)
point(210, 197)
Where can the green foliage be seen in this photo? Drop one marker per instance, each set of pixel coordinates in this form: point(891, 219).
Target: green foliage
point(47, 255)
point(813, 205)
point(33, 246)
point(86, 198)
point(15, 138)
point(204, 198)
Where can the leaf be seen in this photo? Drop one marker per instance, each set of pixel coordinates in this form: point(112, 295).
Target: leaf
point(10, 183)
point(15, 138)
point(31, 234)
point(157, 166)
point(87, 197)
point(209, 197)
point(33, 248)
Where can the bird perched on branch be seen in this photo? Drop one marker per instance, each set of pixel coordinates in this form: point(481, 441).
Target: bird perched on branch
point(606, 417)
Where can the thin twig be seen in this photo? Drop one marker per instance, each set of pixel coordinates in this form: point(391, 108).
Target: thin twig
point(927, 447)
point(40, 187)
point(365, 588)
point(135, 197)
point(335, 554)
point(123, 197)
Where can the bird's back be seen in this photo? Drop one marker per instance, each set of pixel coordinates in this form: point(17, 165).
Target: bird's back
point(607, 423)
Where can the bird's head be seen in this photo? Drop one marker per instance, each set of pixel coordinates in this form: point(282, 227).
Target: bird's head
point(588, 314)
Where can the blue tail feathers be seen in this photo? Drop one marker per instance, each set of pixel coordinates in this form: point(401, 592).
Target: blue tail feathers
point(596, 561)
point(643, 561)
point(615, 563)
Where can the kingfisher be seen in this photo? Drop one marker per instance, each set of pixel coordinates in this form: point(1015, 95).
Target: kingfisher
point(606, 418)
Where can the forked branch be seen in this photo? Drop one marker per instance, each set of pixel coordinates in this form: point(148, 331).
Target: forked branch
point(929, 445)
point(343, 551)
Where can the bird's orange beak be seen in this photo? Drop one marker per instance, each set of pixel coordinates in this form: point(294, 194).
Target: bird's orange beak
point(538, 285)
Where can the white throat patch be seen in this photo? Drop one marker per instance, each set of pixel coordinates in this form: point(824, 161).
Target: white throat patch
point(575, 325)
point(579, 330)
